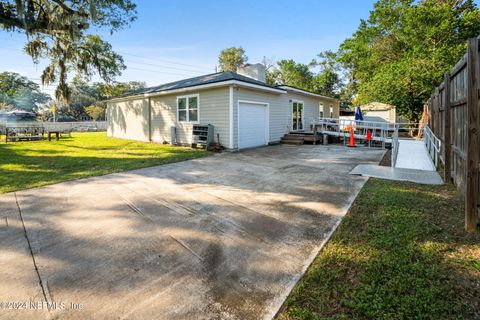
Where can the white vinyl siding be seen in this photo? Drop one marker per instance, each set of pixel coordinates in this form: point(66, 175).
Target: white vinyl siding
point(384, 115)
point(128, 120)
point(280, 110)
point(279, 116)
point(131, 119)
point(213, 109)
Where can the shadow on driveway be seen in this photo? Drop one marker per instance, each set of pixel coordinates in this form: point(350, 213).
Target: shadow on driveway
point(224, 237)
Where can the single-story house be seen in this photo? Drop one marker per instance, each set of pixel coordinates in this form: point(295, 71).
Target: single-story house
point(244, 110)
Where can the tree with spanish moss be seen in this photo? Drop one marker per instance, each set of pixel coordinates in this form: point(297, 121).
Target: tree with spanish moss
point(59, 32)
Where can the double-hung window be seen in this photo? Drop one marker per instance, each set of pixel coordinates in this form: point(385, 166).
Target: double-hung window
point(188, 108)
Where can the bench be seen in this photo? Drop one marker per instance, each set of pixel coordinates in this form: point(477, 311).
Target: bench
point(26, 133)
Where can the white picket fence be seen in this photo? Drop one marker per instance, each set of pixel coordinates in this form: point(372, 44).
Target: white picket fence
point(61, 126)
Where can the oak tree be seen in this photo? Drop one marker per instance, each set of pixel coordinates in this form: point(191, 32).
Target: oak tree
point(17, 91)
point(231, 58)
point(401, 53)
point(58, 31)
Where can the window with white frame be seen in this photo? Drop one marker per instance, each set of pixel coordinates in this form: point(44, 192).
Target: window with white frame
point(188, 108)
point(321, 110)
point(331, 111)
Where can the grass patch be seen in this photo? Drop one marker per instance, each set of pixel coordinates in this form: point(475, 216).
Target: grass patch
point(400, 253)
point(32, 164)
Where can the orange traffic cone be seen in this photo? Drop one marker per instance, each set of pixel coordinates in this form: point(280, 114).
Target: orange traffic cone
point(351, 144)
point(369, 136)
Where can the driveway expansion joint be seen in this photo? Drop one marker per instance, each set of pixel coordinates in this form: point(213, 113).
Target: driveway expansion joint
point(45, 291)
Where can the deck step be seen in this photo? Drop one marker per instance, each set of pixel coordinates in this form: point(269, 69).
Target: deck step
point(301, 133)
point(312, 138)
point(292, 141)
point(293, 136)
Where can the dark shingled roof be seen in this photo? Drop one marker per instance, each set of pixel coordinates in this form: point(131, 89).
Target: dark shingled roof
point(201, 80)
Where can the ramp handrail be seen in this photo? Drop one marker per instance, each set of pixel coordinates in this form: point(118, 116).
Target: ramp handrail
point(380, 131)
point(433, 145)
point(342, 123)
point(395, 146)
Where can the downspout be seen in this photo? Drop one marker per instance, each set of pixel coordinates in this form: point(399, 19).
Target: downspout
point(231, 116)
point(149, 119)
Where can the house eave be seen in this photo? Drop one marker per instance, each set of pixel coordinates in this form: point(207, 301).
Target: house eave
point(200, 87)
point(308, 93)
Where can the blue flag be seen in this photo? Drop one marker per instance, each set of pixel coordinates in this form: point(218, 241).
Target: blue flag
point(358, 114)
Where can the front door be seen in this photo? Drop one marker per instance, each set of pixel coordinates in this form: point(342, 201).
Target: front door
point(297, 115)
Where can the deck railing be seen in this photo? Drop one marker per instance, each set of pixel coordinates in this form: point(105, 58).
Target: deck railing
point(381, 131)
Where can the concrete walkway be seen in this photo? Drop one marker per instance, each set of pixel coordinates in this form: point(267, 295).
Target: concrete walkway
point(224, 237)
point(398, 174)
point(412, 154)
point(413, 164)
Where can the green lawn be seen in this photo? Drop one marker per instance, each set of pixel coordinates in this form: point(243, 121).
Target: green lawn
point(32, 164)
point(400, 253)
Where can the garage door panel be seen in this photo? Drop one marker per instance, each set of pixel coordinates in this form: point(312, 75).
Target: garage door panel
point(252, 125)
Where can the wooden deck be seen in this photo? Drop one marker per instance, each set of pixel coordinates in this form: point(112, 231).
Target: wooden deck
point(301, 138)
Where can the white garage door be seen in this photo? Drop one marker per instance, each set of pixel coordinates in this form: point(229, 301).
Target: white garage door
point(252, 124)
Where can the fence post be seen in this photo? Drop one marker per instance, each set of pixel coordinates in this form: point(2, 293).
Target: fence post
point(471, 194)
point(447, 173)
point(431, 118)
point(436, 106)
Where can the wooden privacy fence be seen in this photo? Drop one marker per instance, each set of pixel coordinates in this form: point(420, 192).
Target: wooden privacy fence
point(454, 118)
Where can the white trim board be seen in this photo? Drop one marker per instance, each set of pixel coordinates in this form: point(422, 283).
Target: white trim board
point(306, 92)
point(198, 87)
point(230, 107)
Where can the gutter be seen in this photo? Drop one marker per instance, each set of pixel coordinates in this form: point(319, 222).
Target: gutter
point(197, 87)
point(288, 88)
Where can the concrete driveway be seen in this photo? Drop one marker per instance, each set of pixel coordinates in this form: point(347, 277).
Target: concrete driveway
point(224, 237)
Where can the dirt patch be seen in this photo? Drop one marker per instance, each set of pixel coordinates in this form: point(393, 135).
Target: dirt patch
point(387, 159)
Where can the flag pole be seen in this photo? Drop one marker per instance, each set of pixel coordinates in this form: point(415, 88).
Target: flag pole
point(53, 111)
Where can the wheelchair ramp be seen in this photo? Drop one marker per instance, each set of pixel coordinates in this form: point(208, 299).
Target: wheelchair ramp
point(412, 154)
point(398, 174)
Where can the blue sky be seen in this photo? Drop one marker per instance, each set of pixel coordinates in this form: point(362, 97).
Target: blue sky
point(173, 40)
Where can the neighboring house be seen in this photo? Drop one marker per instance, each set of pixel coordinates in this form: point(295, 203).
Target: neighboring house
point(377, 111)
point(244, 110)
point(17, 115)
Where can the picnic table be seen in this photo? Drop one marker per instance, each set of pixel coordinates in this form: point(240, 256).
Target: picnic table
point(55, 132)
